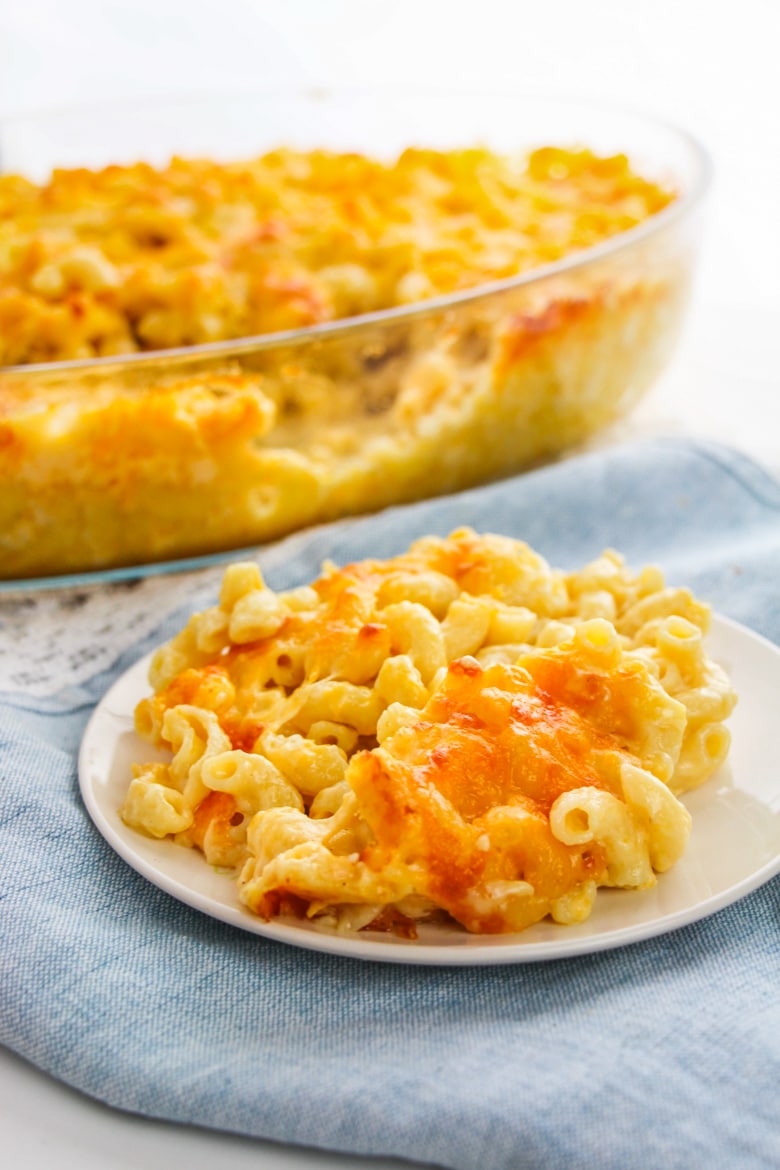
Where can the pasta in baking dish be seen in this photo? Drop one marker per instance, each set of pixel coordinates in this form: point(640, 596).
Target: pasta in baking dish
point(109, 460)
point(128, 258)
point(460, 730)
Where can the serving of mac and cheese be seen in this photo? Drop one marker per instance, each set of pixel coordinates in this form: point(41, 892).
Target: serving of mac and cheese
point(386, 364)
point(460, 733)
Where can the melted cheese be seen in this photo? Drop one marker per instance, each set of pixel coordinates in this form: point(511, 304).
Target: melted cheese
point(135, 258)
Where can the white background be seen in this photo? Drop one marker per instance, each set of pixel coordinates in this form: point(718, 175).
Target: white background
point(712, 67)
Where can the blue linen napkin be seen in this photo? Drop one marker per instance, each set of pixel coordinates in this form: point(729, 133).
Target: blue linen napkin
point(662, 1054)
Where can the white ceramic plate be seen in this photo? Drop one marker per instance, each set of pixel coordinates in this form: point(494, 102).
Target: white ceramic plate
point(733, 849)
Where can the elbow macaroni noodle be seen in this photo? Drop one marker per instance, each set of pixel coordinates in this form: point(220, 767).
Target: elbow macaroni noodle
point(460, 730)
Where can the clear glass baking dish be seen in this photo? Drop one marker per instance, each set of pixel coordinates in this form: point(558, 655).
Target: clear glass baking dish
point(176, 453)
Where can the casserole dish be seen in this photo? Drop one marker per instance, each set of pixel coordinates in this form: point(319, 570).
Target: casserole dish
point(115, 459)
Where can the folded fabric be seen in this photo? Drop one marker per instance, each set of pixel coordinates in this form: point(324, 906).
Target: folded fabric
point(662, 1054)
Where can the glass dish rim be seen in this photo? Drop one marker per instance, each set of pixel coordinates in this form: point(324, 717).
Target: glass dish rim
point(347, 326)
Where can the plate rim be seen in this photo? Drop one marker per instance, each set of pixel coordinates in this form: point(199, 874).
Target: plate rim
point(475, 950)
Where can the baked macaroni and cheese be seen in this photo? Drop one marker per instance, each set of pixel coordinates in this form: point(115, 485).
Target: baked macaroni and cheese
point(458, 732)
point(137, 258)
point(117, 463)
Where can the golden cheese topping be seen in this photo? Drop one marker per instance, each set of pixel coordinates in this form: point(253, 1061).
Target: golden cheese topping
point(465, 795)
point(135, 258)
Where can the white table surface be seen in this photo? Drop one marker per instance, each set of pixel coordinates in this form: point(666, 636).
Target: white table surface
point(709, 67)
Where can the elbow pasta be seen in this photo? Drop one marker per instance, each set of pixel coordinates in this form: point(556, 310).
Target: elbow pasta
point(127, 258)
point(458, 731)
